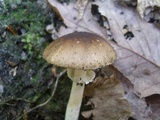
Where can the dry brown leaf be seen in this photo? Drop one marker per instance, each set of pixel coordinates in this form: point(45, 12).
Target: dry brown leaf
point(140, 109)
point(108, 100)
point(139, 57)
point(70, 17)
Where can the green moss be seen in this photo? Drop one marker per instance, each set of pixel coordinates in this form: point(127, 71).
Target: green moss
point(31, 18)
point(31, 84)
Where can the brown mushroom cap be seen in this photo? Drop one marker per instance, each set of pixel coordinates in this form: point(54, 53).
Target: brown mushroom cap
point(80, 50)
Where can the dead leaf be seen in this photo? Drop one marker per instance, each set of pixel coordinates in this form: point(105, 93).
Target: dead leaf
point(108, 100)
point(143, 4)
point(11, 63)
point(13, 71)
point(137, 54)
point(153, 102)
point(140, 109)
point(80, 6)
point(72, 22)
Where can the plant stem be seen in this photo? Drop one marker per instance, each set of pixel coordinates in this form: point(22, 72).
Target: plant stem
point(75, 100)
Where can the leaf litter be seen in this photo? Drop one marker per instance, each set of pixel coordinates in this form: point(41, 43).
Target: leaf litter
point(107, 99)
point(136, 43)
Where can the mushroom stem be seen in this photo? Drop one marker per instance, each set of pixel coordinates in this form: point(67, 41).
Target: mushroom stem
point(79, 78)
point(74, 102)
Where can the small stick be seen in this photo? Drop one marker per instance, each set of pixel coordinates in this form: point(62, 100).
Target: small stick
point(53, 92)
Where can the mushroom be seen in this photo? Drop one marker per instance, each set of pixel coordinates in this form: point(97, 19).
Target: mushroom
point(80, 53)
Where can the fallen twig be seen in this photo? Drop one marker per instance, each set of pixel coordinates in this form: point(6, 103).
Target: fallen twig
point(43, 104)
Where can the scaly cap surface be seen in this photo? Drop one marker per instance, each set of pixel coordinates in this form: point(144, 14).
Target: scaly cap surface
point(80, 50)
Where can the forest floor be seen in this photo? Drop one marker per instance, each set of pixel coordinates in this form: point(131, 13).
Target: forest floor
point(26, 79)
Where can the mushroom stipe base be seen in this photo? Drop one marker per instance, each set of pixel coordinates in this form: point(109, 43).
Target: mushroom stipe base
point(79, 78)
